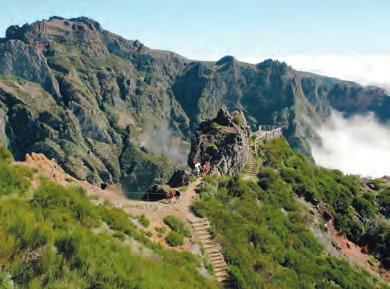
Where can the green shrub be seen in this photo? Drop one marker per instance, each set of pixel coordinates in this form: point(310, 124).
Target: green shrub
point(214, 125)
point(161, 230)
point(384, 202)
point(5, 155)
point(13, 179)
point(177, 225)
point(174, 239)
point(237, 119)
point(144, 221)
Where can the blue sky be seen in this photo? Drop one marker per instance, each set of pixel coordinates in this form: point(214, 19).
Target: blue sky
point(248, 29)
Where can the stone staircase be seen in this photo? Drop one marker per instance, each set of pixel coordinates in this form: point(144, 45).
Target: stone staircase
point(252, 170)
point(201, 228)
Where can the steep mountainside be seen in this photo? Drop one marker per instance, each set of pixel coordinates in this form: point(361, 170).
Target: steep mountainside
point(297, 224)
point(82, 95)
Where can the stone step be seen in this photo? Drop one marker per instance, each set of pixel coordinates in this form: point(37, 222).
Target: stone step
point(203, 233)
point(220, 267)
point(215, 254)
point(212, 250)
point(201, 228)
point(209, 246)
point(204, 239)
point(220, 271)
point(215, 258)
point(199, 225)
point(217, 262)
point(207, 242)
point(204, 220)
point(222, 274)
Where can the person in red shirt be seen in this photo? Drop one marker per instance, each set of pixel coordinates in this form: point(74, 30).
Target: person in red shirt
point(204, 170)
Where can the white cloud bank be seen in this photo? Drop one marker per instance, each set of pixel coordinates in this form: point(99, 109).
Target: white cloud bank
point(358, 145)
point(367, 69)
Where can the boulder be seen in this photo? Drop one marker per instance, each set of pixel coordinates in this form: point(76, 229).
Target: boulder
point(156, 193)
point(179, 178)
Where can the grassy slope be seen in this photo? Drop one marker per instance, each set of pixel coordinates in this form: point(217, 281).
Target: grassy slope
point(264, 231)
point(78, 250)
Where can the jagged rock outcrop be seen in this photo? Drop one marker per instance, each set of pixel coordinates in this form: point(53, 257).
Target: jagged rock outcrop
point(221, 144)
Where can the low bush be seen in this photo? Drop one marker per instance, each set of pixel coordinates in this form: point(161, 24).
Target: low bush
point(177, 225)
point(174, 239)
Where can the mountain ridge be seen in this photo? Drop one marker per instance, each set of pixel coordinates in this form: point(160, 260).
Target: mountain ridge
point(103, 90)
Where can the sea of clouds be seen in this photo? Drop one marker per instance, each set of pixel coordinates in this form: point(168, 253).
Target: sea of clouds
point(357, 145)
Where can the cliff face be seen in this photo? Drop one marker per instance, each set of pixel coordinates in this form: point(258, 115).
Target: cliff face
point(221, 144)
point(82, 95)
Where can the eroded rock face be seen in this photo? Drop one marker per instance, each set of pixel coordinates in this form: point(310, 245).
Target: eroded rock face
point(221, 144)
point(24, 61)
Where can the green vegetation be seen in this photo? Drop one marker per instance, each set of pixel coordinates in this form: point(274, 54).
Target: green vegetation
point(264, 231)
point(54, 237)
point(144, 221)
point(174, 239)
point(214, 125)
point(237, 119)
point(177, 225)
point(356, 212)
point(179, 231)
point(160, 230)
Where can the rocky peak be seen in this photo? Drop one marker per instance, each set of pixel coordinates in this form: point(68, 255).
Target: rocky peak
point(225, 59)
point(275, 66)
point(40, 34)
point(221, 144)
point(224, 118)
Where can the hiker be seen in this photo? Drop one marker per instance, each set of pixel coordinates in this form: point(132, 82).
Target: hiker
point(171, 195)
point(177, 195)
point(204, 170)
point(197, 169)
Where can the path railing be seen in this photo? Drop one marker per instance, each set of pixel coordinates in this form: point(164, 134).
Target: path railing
point(267, 132)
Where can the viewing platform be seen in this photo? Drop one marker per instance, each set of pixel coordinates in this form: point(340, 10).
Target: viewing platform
point(268, 132)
